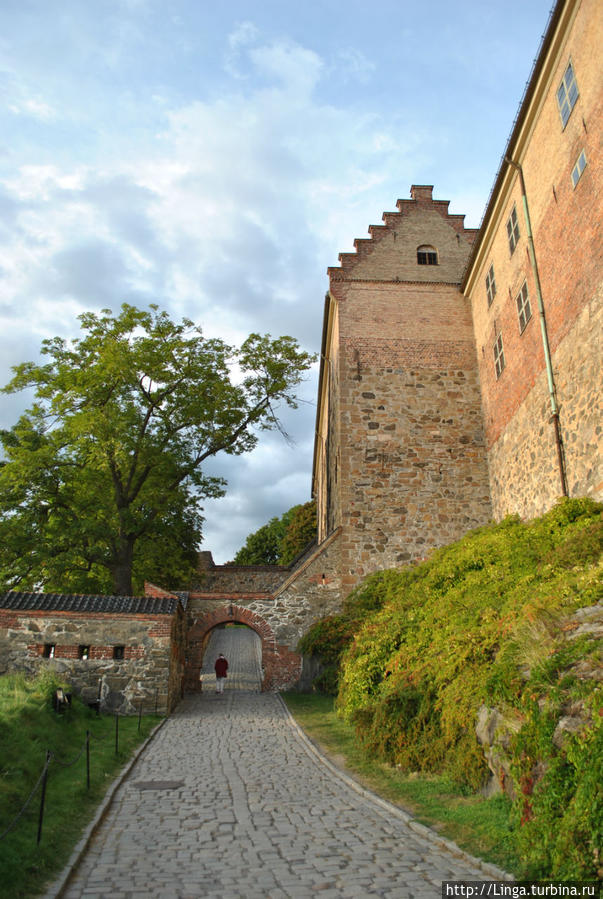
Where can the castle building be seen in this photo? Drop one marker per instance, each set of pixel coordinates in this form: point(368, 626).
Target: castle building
point(460, 370)
point(400, 458)
point(460, 381)
point(534, 280)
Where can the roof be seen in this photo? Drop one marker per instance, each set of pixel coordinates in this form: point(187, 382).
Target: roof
point(68, 602)
point(513, 140)
point(183, 597)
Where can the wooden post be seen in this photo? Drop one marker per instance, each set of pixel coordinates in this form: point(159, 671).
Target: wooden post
point(43, 797)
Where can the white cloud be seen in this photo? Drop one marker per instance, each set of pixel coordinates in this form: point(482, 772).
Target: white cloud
point(296, 68)
point(243, 36)
point(37, 109)
point(230, 217)
point(353, 65)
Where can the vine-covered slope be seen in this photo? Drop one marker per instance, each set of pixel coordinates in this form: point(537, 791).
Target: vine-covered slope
point(484, 662)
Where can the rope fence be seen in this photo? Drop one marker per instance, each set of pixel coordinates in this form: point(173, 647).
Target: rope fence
point(52, 757)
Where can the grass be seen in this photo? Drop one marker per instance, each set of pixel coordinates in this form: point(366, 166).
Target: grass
point(28, 728)
point(476, 824)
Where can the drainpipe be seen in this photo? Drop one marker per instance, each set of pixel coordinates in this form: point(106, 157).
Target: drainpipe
point(543, 329)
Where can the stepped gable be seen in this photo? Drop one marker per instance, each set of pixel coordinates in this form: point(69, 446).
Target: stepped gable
point(69, 602)
point(389, 254)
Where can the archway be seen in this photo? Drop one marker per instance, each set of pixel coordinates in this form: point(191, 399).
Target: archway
point(280, 666)
point(242, 647)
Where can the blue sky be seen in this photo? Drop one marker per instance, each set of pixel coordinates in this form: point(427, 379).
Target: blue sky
point(216, 158)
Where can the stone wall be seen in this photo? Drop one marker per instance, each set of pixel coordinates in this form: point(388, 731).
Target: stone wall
point(523, 461)
point(150, 671)
point(566, 225)
point(415, 463)
point(237, 578)
point(311, 592)
point(405, 428)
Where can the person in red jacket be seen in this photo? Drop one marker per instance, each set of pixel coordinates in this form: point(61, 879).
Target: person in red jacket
point(221, 667)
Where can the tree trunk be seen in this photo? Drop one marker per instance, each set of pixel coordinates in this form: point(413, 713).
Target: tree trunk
point(121, 570)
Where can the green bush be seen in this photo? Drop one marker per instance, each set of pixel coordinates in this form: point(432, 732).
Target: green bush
point(329, 637)
point(481, 622)
point(558, 812)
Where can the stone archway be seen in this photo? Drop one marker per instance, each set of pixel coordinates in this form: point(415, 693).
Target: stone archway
point(280, 666)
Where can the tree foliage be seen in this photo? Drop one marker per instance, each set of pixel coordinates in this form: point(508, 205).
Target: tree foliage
point(104, 474)
point(282, 539)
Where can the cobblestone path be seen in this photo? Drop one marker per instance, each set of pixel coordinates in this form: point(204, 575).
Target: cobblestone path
point(229, 801)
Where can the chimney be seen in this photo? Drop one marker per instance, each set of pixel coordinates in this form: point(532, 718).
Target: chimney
point(422, 193)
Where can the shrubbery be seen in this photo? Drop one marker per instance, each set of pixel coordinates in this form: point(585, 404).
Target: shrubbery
point(417, 651)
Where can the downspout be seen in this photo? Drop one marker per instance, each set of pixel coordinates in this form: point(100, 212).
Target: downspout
point(543, 329)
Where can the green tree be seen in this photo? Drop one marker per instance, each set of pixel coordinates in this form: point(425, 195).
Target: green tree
point(103, 475)
point(299, 532)
point(263, 546)
point(280, 540)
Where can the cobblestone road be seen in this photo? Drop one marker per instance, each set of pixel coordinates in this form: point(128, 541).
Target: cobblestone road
point(229, 801)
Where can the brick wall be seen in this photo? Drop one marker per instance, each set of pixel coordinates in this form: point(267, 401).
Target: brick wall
point(566, 223)
point(408, 434)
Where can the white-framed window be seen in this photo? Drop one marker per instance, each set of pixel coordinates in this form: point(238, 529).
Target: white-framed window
point(490, 285)
point(524, 310)
point(427, 255)
point(567, 94)
point(499, 356)
point(513, 230)
point(578, 168)
point(49, 650)
point(83, 652)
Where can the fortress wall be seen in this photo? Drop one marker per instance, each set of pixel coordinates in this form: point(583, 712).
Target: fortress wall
point(523, 461)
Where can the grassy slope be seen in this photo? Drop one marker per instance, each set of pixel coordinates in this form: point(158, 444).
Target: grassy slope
point(485, 622)
point(28, 727)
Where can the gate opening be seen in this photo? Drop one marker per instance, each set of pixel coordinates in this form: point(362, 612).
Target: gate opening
point(242, 647)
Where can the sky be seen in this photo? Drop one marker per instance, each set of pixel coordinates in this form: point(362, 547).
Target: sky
point(215, 158)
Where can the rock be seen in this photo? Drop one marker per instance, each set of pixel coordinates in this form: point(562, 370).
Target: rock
point(567, 725)
point(494, 732)
point(588, 621)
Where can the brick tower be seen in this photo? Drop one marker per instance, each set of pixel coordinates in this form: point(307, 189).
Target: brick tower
point(399, 462)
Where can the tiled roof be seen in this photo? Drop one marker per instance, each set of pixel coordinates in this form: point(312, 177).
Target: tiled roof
point(66, 602)
point(183, 597)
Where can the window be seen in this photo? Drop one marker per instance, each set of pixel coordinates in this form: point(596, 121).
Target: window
point(513, 230)
point(83, 652)
point(567, 94)
point(48, 651)
point(490, 285)
point(579, 168)
point(524, 310)
point(499, 356)
point(118, 652)
point(427, 255)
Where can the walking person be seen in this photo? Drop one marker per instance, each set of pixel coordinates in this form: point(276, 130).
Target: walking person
point(221, 667)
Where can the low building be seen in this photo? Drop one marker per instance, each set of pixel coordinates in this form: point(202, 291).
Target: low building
point(121, 650)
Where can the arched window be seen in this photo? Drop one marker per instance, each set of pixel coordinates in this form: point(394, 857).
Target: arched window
point(427, 255)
